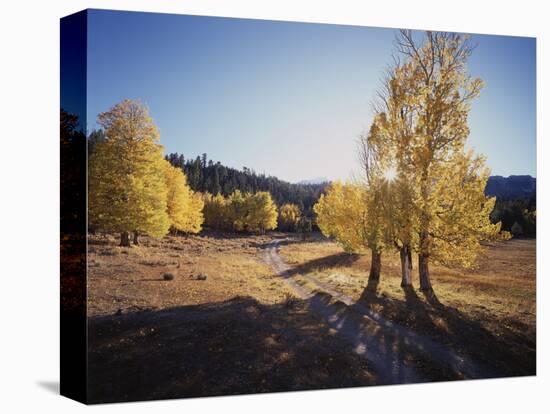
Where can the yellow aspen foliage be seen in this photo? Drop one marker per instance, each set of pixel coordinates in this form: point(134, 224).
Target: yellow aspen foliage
point(127, 188)
point(261, 212)
point(340, 214)
point(215, 212)
point(195, 215)
point(400, 217)
point(289, 217)
point(184, 206)
point(461, 212)
point(241, 212)
point(349, 214)
point(236, 211)
point(421, 130)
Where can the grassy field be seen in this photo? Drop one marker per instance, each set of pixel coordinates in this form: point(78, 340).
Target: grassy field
point(488, 313)
point(126, 279)
point(228, 324)
point(239, 331)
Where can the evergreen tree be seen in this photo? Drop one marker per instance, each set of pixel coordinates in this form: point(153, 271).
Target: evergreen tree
point(216, 178)
point(73, 177)
point(97, 135)
point(216, 188)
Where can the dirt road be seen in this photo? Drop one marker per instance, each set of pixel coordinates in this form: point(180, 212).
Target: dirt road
point(393, 349)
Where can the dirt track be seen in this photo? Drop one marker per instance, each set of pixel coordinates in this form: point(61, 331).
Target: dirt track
point(373, 337)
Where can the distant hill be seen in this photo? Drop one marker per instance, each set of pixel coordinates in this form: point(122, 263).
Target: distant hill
point(318, 180)
point(512, 187)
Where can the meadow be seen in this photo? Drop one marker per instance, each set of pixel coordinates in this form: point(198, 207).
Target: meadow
point(488, 313)
point(229, 323)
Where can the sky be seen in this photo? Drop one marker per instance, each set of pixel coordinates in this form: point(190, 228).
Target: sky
point(289, 99)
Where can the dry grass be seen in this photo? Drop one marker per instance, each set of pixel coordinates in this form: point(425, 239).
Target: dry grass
point(242, 330)
point(125, 279)
point(488, 313)
point(239, 331)
point(503, 285)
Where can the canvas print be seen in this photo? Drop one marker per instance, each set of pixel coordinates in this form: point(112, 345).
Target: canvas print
point(254, 206)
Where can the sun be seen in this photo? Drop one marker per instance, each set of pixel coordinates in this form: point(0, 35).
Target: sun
point(390, 174)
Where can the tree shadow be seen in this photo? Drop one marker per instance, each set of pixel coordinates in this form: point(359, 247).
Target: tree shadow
point(334, 260)
point(234, 347)
point(494, 355)
point(384, 347)
point(432, 299)
point(371, 295)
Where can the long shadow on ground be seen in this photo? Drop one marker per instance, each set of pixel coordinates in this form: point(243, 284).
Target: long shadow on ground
point(334, 260)
point(234, 347)
point(493, 354)
point(503, 355)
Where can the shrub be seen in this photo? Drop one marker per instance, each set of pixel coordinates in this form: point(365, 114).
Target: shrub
point(168, 276)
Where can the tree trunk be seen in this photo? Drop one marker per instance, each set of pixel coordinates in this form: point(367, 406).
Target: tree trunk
point(124, 239)
point(136, 235)
point(406, 266)
point(374, 275)
point(424, 242)
point(375, 265)
point(424, 273)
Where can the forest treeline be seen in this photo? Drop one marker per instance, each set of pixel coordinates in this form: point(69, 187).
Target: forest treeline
point(207, 176)
point(517, 214)
point(516, 206)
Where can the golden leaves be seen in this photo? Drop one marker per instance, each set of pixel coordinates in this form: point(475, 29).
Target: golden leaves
point(184, 206)
point(241, 211)
point(131, 186)
point(352, 215)
point(127, 191)
point(289, 216)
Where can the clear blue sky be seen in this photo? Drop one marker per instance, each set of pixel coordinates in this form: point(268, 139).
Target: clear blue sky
point(288, 99)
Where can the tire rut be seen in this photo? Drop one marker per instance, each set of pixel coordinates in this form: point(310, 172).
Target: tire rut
point(386, 344)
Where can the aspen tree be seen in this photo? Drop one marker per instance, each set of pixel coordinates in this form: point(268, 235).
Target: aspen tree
point(422, 127)
point(289, 217)
point(351, 214)
point(184, 206)
point(127, 188)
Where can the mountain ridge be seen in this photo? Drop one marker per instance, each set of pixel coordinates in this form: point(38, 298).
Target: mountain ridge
point(511, 187)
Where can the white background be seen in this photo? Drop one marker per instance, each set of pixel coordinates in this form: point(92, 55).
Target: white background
point(29, 203)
